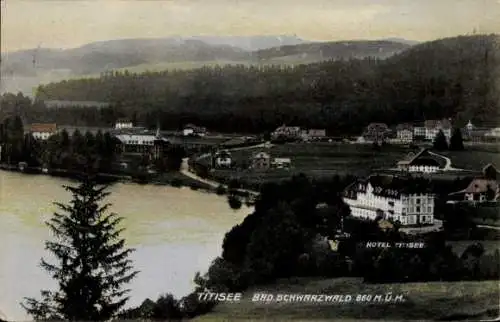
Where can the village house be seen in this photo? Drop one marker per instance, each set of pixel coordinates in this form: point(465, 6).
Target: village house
point(494, 133)
point(391, 198)
point(404, 133)
point(193, 130)
point(475, 134)
point(42, 131)
point(431, 128)
point(124, 124)
point(313, 134)
point(376, 132)
point(281, 163)
point(143, 143)
point(424, 162)
point(481, 189)
point(260, 161)
point(289, 132)
point(222, 159)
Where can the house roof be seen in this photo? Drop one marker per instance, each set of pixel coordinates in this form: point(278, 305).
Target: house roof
point(317, 131)
point(123, 120)
point(377, 126)
point(284, 127)
point(488, 167)
point(222, 154)
point(43, 127)
point(404, 126)
point(479, 185)
point(261, 154)
point(424, 157)
point(444, 123)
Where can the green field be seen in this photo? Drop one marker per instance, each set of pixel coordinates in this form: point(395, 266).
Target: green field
point(422, 301)
point(474, 158)
point(315, 160)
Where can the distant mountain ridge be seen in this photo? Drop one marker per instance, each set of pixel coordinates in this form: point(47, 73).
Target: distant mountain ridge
point(402, 40)
point(335, 50)
point(21, 70)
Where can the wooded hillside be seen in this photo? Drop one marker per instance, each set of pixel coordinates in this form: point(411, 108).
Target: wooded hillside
point(454, 77)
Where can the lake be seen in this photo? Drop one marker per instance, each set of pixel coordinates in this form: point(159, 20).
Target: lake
point(176, 232)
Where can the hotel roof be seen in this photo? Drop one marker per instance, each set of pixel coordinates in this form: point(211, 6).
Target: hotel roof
point(392, 186)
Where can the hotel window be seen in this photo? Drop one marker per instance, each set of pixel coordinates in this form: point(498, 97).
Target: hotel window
point(429, 209)
point(418, 201)
point(418, 208)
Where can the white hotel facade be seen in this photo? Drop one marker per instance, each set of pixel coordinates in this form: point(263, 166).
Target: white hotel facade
point(367, 200)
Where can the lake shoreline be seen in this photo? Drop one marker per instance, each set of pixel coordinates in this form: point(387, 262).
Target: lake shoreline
point(173, 179)
point(161, 223)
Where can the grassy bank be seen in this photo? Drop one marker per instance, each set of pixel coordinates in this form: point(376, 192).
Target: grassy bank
point(177, 179)
point(174, 179)
point(436, 300)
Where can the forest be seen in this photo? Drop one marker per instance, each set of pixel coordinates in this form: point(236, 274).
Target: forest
point(452, 77)
point(286, 238)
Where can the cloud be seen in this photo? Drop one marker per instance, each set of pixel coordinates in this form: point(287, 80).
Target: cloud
point(73, 23)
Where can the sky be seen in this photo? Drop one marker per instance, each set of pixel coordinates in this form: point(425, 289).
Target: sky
point(28, 24)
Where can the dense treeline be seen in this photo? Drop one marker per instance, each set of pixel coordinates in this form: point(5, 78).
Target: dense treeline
point(60, 151)
point(287, 236)
point(99, 152)
point(453, 77)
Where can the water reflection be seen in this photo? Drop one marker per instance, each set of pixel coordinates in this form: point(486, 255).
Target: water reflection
point(176, 232)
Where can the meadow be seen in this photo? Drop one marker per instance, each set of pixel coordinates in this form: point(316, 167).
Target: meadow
point(314, 160)
point(474, 157)
point(434, 300)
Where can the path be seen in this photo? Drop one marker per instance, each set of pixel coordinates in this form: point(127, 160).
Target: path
point(214, 184)
point(448, 166)
point(261, 145)
point(185, 168)
point(489, 227)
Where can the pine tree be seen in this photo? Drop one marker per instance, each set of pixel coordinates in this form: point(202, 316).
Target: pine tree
point(456, 140)
point(93, 264)
point(440, 142)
